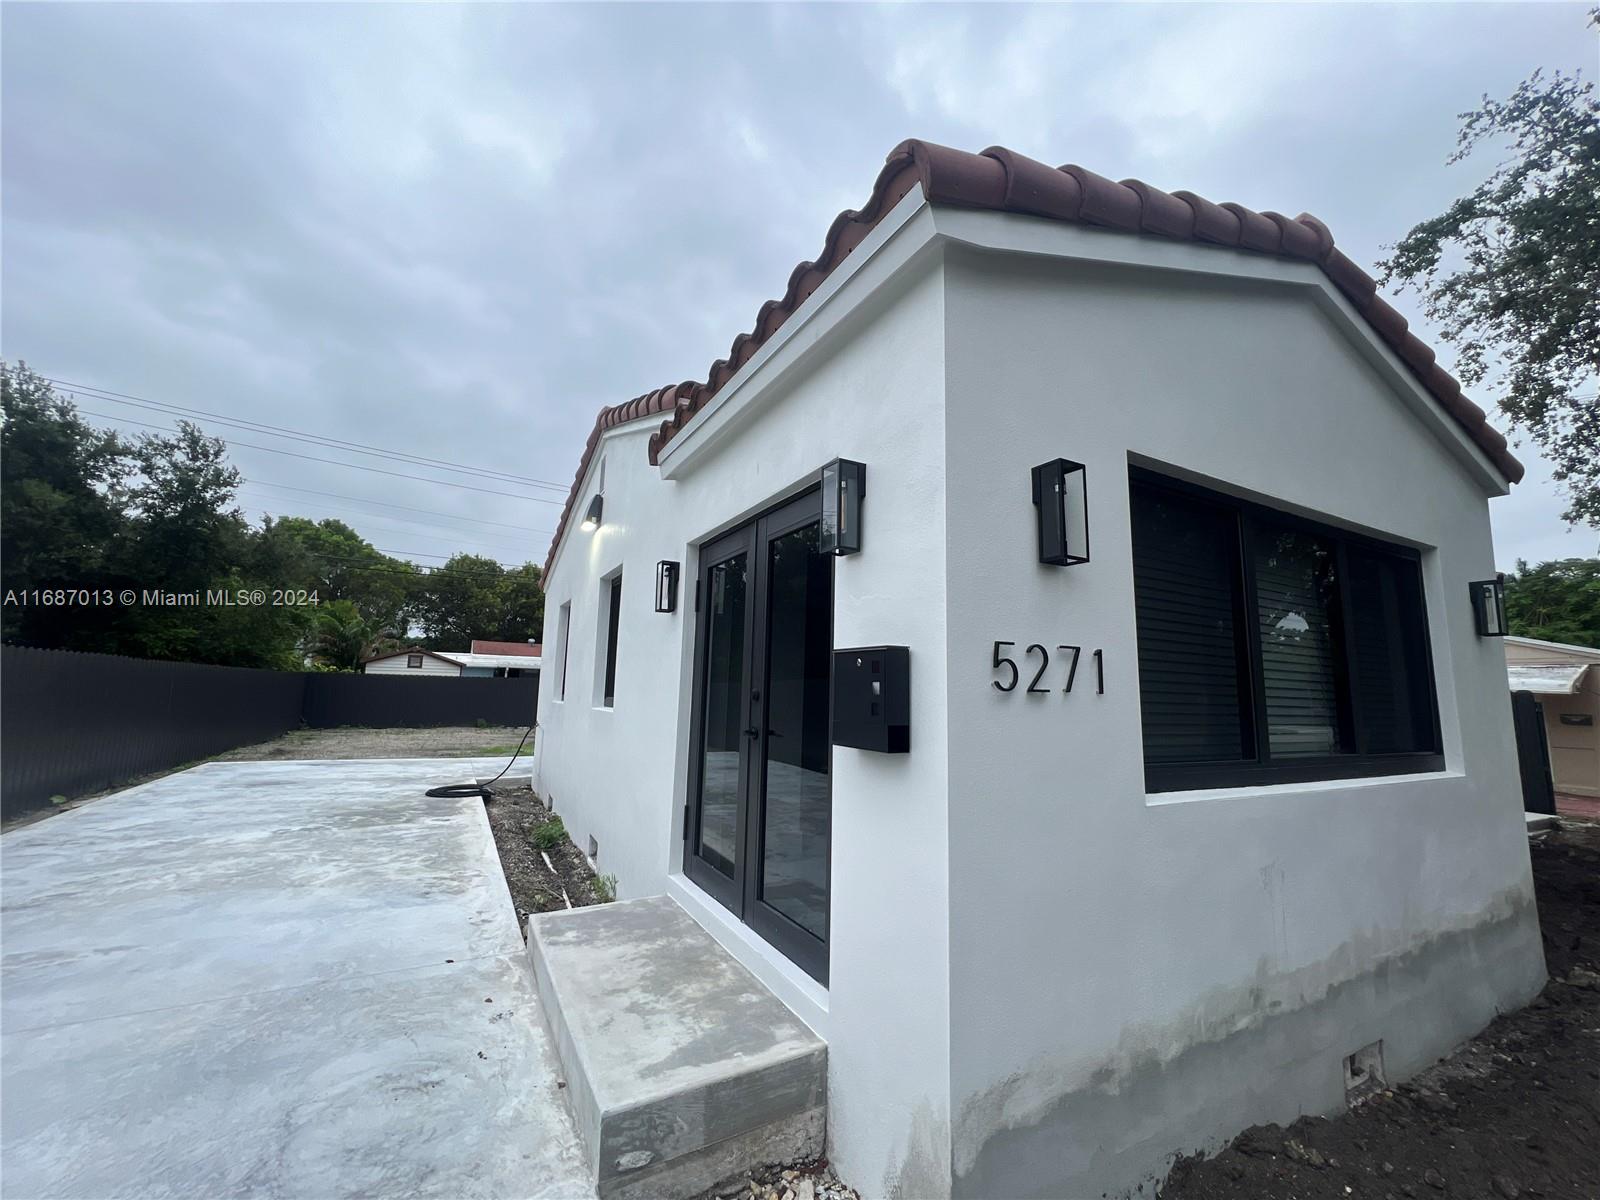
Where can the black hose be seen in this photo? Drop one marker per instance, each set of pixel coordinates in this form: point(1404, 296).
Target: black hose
point(457, 791)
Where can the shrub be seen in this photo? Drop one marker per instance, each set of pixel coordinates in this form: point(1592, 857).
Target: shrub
point(605, 888)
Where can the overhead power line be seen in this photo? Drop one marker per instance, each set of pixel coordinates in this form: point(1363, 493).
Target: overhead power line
point(300, 435)
point(440, 532)
point(334, 462)
point(402, 507)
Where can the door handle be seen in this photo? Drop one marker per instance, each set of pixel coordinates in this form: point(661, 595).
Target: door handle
point(752, 732)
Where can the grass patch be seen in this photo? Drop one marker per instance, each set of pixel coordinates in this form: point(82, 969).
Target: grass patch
point(605, 887)
point(547, 835)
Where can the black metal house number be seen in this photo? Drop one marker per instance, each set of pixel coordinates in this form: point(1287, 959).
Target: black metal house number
point(1036, 686)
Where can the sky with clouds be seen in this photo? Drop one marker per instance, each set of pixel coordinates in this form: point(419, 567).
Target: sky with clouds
point(460, 230)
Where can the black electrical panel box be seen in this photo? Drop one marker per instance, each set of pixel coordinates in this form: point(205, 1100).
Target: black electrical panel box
point(872, 698)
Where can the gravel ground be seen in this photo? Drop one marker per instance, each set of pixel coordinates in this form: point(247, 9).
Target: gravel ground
point(810, 1180)
point(447, 742)
point(1515, 1112)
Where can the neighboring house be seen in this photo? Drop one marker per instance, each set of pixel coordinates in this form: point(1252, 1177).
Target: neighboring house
point(514, 649)
point(1177, 829)
point(414, 661)
point(1566, 679)
point(418, 662)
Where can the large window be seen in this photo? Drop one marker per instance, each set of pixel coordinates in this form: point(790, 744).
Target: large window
point(1272, 648)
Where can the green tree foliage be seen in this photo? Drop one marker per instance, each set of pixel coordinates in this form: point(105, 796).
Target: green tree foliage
point(1556, 601)
point(60, 511)
point(1511, 272)
point(475, 597)
point(81, 508)
point(343, 639)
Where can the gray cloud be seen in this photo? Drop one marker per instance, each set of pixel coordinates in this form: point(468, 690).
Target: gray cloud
point(460, 230)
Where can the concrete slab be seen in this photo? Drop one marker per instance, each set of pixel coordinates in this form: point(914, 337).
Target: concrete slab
point(278, 979)
point(682, 1068)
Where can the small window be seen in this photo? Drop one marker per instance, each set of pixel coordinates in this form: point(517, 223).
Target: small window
point(1272, 648)
point(565, 622)
point(613, 616)
point(413, 660)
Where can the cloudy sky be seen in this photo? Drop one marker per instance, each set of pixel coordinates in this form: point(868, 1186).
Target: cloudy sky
point(459, 231)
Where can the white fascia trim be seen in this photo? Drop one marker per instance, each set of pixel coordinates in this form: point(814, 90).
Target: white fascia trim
point(880, 256)
point(1020, 234)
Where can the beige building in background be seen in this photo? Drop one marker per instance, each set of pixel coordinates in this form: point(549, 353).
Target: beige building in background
point(1567, 681)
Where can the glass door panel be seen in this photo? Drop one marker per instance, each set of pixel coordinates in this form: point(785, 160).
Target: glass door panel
point(795, 817)
point(720, 768)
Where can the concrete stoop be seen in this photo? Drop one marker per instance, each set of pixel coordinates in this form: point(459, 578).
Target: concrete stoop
point(682, 1069)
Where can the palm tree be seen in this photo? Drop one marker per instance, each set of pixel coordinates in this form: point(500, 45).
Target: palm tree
point(343, 640)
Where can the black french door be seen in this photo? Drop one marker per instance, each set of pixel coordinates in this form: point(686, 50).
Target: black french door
point(757, 832)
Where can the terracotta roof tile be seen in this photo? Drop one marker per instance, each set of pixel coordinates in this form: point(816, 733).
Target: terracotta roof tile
point(1002, 180)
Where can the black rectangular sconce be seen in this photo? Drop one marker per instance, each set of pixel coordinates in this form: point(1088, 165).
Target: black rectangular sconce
point(666, 586)
point(1489, 606)
point(1061, 494)
point(872, 698)
point(844, 483)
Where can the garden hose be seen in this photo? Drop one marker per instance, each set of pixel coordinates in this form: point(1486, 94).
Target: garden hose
point(455, 791)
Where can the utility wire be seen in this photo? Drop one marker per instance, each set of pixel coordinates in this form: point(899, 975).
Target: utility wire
point(443, 533)
point(404, 456)
point(334, 462)
point(385, 504)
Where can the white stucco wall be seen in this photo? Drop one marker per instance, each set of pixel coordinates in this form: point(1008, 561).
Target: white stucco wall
point(871, 388)
point(1137, 975)
point(1044, 981)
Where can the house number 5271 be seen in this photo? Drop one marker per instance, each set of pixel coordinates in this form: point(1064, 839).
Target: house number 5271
point(1011, 674)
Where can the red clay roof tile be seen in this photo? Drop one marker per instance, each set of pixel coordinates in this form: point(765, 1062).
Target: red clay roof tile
point(1002, 180)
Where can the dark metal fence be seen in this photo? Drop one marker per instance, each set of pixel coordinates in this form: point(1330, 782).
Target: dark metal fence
point(74, 723)
point(392, 701)
point(1533, 754)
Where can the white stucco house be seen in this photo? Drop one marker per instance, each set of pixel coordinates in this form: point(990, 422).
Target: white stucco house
point(417, 663)
point(1566, 680)
point(1201, 792)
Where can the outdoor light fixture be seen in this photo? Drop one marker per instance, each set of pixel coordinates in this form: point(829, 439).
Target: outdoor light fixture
point(666, 586)
point(1489, 606)
point(1061, 493)
point(844, 483)
point(591, 519)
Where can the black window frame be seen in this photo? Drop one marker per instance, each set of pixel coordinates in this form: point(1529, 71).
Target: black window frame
point(1250, 518)
point(413, 661)
point(608, 697)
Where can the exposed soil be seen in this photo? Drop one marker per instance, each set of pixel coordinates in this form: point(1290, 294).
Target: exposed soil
point(540, 881)
point(1514, 1112)
point(446, 742)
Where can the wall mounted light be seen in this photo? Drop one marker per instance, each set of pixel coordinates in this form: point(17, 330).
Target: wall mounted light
point(1489, 606)
point(591, 519)
point(1061, 494)
point(666, 586)
point(844, 484)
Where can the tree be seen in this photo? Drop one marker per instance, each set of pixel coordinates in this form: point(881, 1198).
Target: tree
point(340, 564)
point(343, 640)
point(1511, 273)
point(475, 597)
point(1556, 601)
point(60, 510)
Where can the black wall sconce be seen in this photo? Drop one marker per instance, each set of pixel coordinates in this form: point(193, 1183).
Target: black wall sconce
point(591, 519)
point(1061, 493)
point(666, 586)
point(1489, 606)
point(844, 483)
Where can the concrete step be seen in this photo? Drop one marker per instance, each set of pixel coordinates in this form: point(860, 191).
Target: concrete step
point(682, 1069)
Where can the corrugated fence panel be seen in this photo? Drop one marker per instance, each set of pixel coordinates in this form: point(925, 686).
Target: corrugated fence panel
point(399, 701)
point(73, 723)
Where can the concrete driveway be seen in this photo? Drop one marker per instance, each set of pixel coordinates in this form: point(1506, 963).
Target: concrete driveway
point(277, 979)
